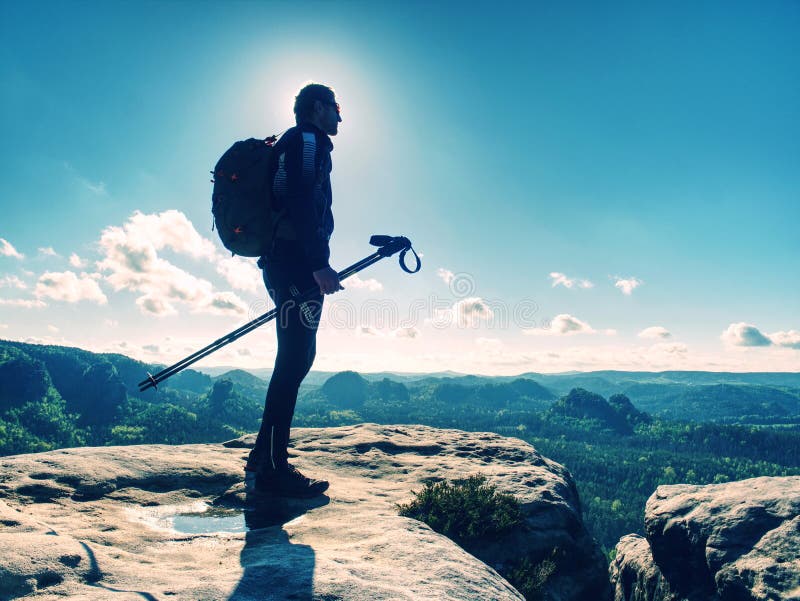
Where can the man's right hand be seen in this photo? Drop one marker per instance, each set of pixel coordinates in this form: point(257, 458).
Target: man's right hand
point(328, 280)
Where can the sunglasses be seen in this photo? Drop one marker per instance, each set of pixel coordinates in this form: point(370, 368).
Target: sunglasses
point(334, 105)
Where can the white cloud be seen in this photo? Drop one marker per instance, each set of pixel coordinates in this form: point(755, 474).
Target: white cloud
point(223, 303)
point(52, 328)
point(68, 287)
point(371, 284)
point(560, 279)
point(110, 323)
point(131, 262)
point(744, 334)
point(241, 273)
point(409, 332)
point(219, 303)
point(170, 229)
point(155, 306)
point(554, 354)
point(470, 311)
point(655, 332)
point(12, 281)
point(8, 250)
point(670, 348)
point(490, 346)
point(77, 262)
point(467, 312)
point(790, 339)
point(48, 251)
point(562, 325)
point(398, 333)
point(22, 302)
point(446, 275)
point(98, 188)
point(627, 285)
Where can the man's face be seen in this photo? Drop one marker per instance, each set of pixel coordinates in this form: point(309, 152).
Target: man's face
point(328, 116)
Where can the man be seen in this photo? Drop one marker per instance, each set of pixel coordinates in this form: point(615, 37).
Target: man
point(298, 262)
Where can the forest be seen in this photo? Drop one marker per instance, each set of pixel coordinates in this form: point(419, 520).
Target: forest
point(620, 434)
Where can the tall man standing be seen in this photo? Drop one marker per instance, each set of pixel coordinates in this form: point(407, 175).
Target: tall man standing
point(298, 261)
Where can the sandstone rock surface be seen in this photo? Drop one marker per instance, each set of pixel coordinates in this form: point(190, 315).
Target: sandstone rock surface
point(737, 541)
point(107, 523)
point(634, 574)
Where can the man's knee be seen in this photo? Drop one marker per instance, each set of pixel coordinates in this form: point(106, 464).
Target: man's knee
point(310, 312)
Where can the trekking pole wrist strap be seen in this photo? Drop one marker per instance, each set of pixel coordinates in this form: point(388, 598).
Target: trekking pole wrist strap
point(389, 245)
point(403, 265)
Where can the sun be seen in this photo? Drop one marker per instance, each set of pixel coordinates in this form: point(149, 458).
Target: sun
point(271, 97)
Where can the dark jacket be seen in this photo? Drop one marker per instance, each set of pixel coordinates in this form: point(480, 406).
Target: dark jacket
point(302, 186)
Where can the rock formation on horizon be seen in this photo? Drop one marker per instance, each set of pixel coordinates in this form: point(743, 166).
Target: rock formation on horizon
point(738, 541)
point(103, 522)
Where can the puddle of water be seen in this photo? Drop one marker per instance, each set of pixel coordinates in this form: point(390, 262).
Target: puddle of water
point(214, 519)
point(201, 518)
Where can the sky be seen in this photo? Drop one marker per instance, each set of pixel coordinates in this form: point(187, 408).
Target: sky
point(591, 185)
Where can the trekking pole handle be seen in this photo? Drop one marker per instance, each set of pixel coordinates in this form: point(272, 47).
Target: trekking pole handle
point(380, 240)
point(389, 245)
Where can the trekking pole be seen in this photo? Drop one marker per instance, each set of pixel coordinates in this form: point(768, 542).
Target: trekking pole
point(387, 246)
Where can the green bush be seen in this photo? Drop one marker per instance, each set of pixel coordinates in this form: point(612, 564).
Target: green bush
point(466, 511)
point(529, 577)
point(471, 512)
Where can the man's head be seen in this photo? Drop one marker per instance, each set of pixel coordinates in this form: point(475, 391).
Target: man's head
point(316, 103)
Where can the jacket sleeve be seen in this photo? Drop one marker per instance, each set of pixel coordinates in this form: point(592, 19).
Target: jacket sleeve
point(300, 165)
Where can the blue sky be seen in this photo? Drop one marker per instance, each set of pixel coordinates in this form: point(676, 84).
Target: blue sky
point(592, 185)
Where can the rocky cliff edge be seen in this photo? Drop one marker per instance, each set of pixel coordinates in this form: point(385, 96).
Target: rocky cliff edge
point(171, 522)
point(737, 541)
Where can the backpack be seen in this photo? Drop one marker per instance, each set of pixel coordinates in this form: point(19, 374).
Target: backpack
point(241, 202)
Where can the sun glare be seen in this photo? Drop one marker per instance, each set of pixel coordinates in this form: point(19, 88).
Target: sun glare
point(271, 98)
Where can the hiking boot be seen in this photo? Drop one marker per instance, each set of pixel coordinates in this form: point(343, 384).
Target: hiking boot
point(289, 482)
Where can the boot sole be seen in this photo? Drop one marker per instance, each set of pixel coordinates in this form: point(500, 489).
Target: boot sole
point(272, 493)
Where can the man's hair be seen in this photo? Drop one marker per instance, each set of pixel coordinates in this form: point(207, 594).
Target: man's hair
point(304, 101)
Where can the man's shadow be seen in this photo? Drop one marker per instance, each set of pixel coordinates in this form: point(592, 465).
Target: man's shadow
point(274, 568)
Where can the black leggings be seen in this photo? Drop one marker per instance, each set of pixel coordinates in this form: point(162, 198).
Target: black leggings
point(286, 275)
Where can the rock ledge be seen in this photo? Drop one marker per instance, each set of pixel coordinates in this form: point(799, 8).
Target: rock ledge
point(738, 541)
point(99, 523)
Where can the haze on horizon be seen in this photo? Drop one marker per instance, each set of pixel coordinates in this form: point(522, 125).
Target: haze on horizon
point(592, 186)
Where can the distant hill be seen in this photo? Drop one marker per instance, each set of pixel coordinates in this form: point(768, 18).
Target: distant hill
point(242, 377)
point(716, 402)
point(616, 414)
point(74, 371)
point(318, 378)
point(786, 379)
point(347, 390)
point(96, 386)
point(605, 382)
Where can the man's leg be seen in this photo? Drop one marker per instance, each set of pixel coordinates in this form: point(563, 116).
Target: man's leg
point(296, 350)
point(296, 333)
